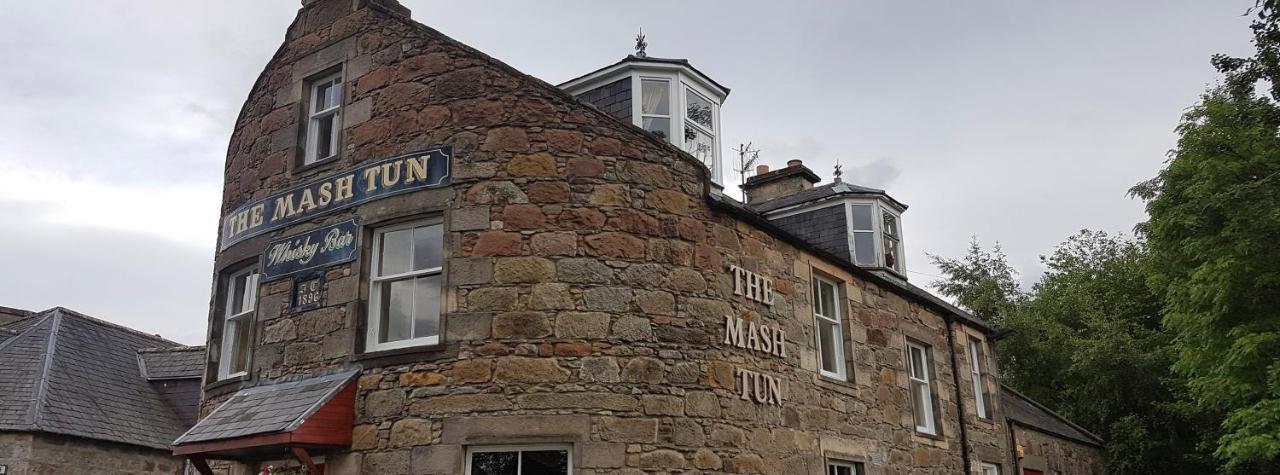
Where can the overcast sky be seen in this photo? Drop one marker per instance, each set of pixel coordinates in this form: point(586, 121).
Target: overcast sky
point(1017, 121)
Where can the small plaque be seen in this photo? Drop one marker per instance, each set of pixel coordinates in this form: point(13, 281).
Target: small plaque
point(308, 292)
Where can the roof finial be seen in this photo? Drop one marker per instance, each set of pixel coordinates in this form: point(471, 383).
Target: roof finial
point(641, 44)
point(837, 173)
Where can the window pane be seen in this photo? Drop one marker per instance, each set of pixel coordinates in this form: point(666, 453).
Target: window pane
point(862, 217)
point(396, 310)
point(917, 363)
point(240, 349)
point(333, 94)
point(864, 248)
point(699, 109)
point(660, 126)
point(827, 300)
point(700, 145)
point(426, 306)
point(830, 336)
point(493, 463)
point(890, 224)
point(324, 136)
point(919, 401)
point(395, 252)
point(427, 247)
point(890, 252)
point(239, 289)
point(544, 462)
point(654, 98)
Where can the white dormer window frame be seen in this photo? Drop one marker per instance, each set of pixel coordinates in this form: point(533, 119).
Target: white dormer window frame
point(679, 86)
point(878, 211)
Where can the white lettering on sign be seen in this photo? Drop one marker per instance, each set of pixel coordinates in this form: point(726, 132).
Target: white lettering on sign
point(747, 335)
point(304, 250)
point(761, 388)
point(751, 285)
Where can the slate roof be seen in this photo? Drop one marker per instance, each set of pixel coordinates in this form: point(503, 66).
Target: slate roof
point(278, 407)
point(1026, 412)
point(68, 373)
point(631, 58)
point(179, 362)
point(816, 193)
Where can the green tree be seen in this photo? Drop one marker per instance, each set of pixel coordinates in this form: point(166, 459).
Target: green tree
point(1214, 217)
point(1087, 341)
point(982, 281)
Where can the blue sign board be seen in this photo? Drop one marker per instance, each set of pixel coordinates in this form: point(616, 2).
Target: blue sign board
point(315, 249)
point(365, 183)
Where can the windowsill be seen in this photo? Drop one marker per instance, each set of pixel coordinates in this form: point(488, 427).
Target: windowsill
point(985, 420)
point(842, 386)
point(409, 354)
point(927, 435)
point(316, 165)
point(227, 385)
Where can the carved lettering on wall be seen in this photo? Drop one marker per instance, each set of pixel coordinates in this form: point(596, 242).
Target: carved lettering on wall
point(761, 388)
point(751, 285)
point(747, 335)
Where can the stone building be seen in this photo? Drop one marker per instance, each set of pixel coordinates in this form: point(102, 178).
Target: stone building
point(432, 263)
point(84, 396)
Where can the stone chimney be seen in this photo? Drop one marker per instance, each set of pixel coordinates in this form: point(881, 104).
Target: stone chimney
point(767, 185)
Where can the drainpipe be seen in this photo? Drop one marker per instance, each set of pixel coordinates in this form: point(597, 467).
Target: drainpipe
point(955, 379)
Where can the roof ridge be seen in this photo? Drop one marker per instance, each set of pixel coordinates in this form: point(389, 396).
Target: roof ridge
point(17, 335)
point(173, 349)
point(42, 384)
point(117, 326)
point(1051, 412)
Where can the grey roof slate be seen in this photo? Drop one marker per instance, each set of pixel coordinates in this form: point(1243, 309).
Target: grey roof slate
point(278, 407)
point(1027, 412)
point(816, 193)
point(68, 373)
point(181, 362)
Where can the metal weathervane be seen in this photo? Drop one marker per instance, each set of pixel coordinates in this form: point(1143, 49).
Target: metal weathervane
point(641, 44)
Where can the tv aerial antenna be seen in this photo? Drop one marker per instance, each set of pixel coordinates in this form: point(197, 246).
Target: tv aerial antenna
point(746, 163)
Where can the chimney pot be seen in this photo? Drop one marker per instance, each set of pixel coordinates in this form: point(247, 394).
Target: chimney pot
point(794, 163)
point(762, 169)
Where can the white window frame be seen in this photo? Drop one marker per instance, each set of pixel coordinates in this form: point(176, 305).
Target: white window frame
point(840, 372)
point(685, 89)
point(671, 105)
point(925, 423)
point(854, 468)
point(874, 232)
point(898, 263)
point(375, 309)
point(988, 469)
point(315, 116)
point(518, 448)
point(975, 371)
point(240, 321)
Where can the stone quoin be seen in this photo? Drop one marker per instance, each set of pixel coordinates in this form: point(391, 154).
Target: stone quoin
point(572, 293)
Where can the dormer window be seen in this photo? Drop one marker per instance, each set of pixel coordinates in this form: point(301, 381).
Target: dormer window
point(666, 97)
point(863, 229)
point(655, 106)
point(891, 241)
point(699, 127)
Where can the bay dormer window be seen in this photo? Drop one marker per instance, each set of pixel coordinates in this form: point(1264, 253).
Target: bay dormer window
point(875, 234)
point(666, 97)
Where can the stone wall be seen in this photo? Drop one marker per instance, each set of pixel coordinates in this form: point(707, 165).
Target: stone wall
point(1051, 454)
point(26, 453)
point(586, 290)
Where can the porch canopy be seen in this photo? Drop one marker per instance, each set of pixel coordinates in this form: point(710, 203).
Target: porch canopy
point(289, 418)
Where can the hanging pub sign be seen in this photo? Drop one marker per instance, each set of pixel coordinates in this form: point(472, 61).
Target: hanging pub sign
point(315, 249)
point(365, 183)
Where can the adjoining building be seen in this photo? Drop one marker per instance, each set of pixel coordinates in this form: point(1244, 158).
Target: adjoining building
point(81, 395)
point(431, 263)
